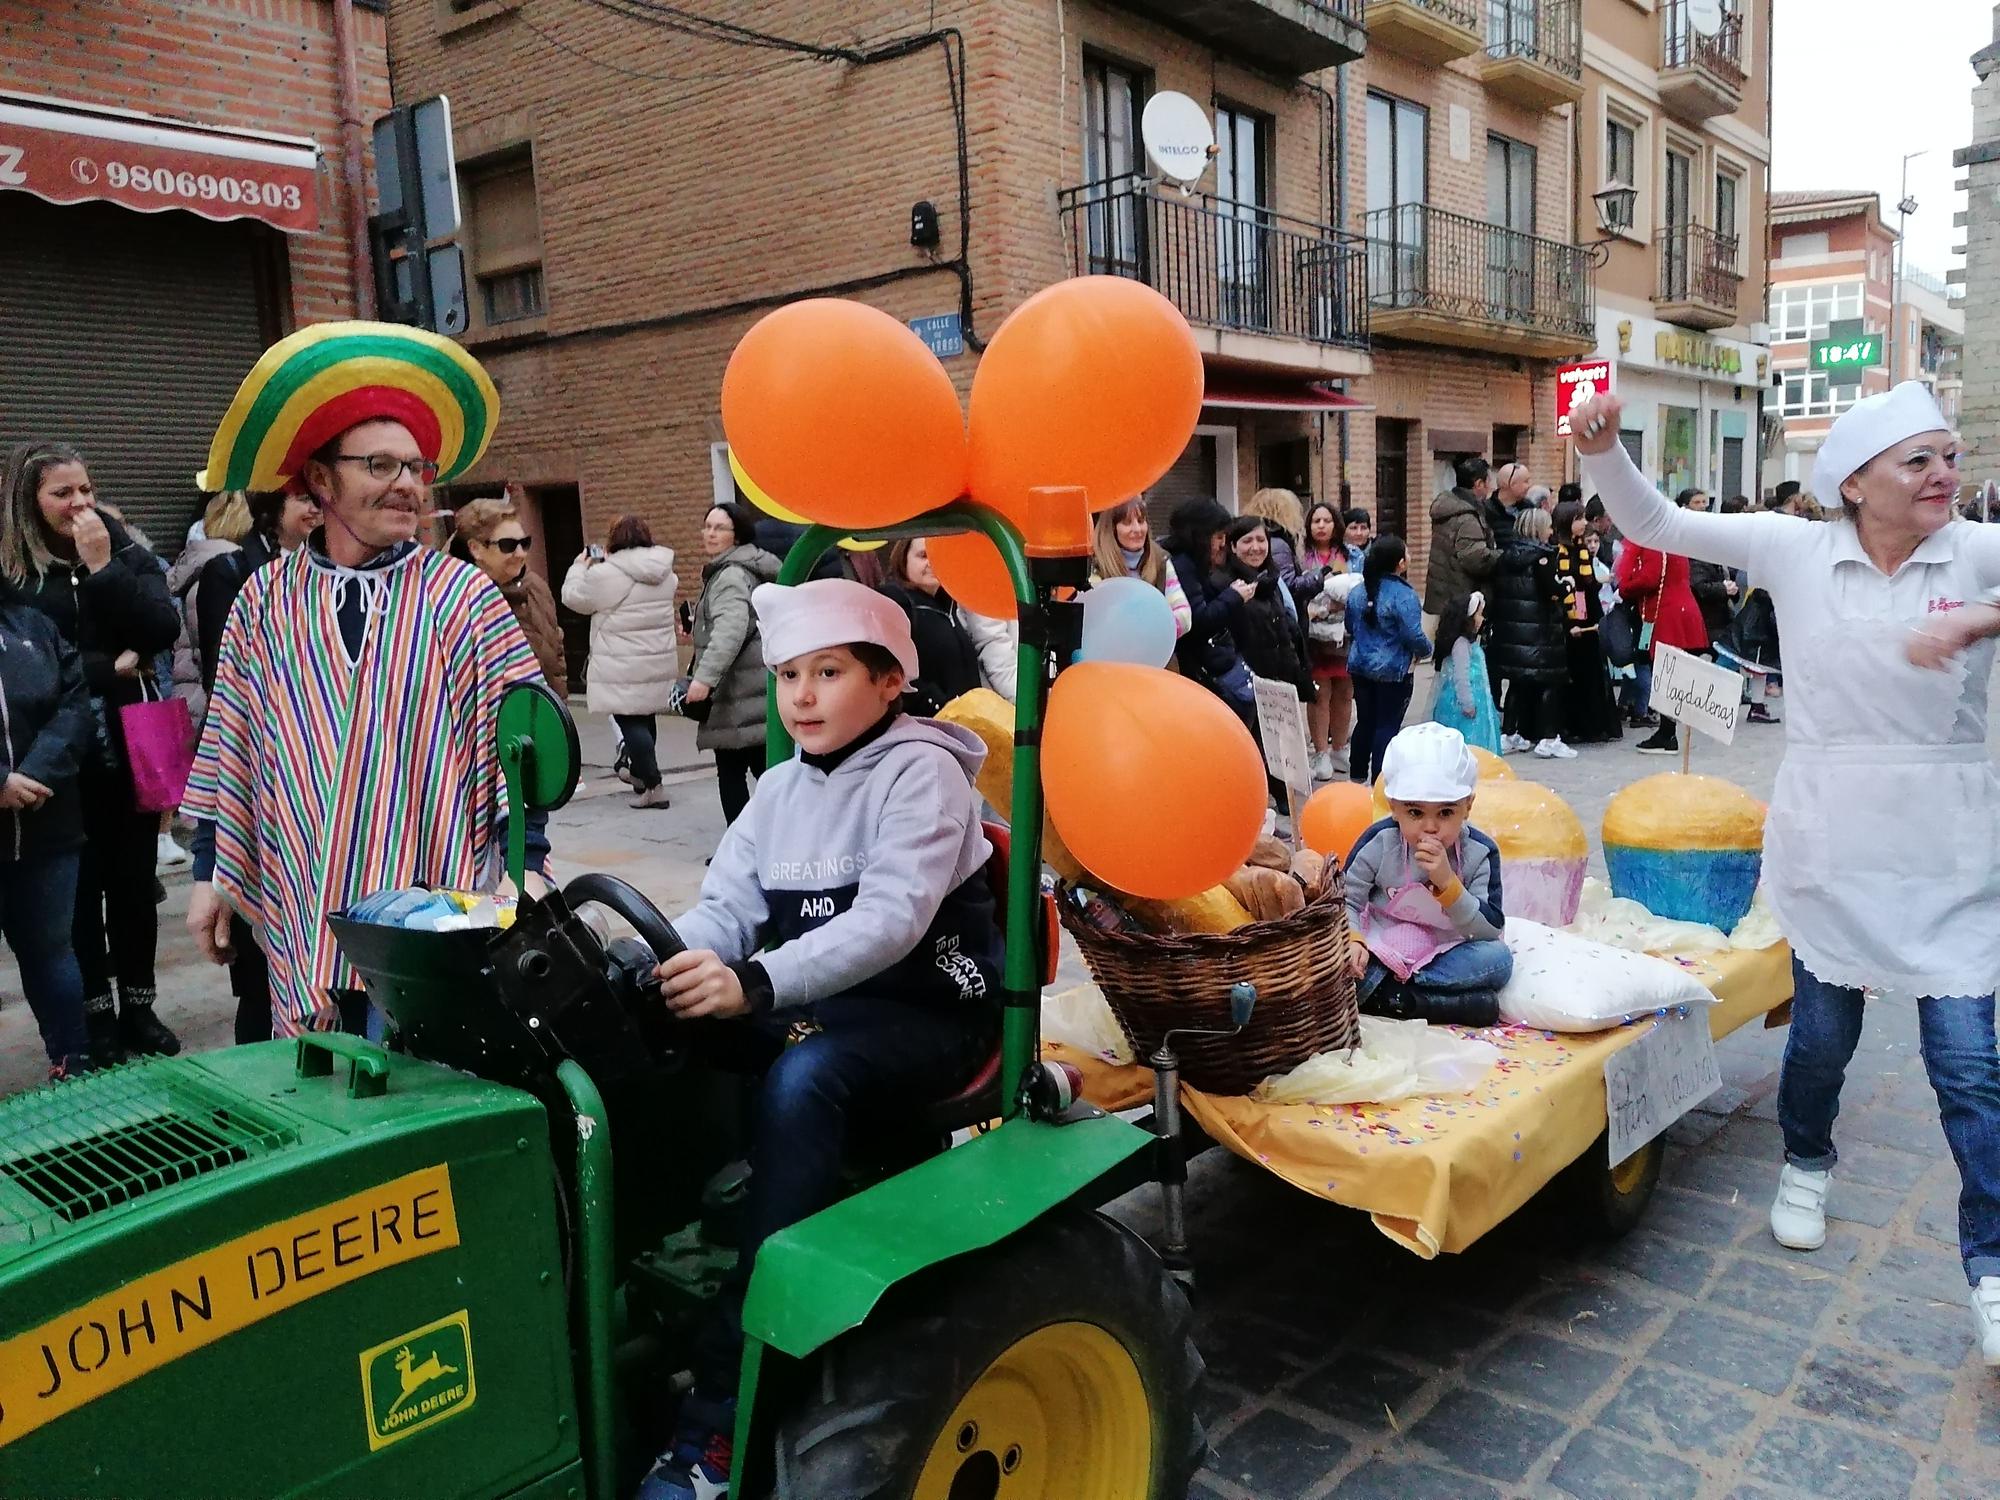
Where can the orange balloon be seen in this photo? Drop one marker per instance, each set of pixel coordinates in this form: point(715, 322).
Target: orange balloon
point(1122, 743)
point(1335, 817)
point(1094, 382)
point(969, 567)
point(842, 410)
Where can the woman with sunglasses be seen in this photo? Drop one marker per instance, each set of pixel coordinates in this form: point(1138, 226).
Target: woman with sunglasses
point(489, 535)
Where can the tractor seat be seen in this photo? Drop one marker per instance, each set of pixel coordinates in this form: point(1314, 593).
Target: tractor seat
point(978, 1099)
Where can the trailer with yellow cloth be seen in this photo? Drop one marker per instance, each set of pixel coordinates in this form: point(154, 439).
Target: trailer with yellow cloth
point(1436, 1172)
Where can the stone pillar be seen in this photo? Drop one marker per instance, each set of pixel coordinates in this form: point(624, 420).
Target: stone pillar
point(1979, 421)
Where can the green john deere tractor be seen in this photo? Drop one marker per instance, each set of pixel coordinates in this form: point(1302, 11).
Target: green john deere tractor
point(472, 1265)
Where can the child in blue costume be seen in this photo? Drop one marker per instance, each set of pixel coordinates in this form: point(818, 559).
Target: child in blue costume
point(1463, 696)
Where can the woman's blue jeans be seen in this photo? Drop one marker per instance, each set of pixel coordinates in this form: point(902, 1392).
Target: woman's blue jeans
point(37, 901)
point(1957, 1039)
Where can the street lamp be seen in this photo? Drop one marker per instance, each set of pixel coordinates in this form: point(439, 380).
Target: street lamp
point(1905, 206)
point(1616, 202)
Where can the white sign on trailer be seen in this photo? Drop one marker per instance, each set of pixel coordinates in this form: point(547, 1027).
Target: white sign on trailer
point(1281, 721)
point(1659, 1078)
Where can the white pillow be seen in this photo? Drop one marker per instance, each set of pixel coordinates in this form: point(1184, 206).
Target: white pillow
point(1563, 982)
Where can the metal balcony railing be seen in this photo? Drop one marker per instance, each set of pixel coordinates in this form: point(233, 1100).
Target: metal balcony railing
point(1463, 13)
point(1681, 46)
point(1549, 32)
point(1227, 265)
point(1698, 265)
point(1423, 257)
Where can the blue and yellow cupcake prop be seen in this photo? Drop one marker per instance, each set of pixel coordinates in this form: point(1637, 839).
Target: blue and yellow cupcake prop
point(1689, 848)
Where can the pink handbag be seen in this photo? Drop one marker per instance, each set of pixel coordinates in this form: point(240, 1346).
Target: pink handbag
point(159, 748)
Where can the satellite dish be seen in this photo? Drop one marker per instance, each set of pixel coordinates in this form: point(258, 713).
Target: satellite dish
point(1179, 139)
point(1705, 16)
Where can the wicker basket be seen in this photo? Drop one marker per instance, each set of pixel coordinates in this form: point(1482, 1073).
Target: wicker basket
point(1155, 982)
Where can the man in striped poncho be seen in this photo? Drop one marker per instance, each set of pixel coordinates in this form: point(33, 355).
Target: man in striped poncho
point(350, 742)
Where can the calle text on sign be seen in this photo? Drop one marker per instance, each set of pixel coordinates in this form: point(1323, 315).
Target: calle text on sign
point(1579, 382)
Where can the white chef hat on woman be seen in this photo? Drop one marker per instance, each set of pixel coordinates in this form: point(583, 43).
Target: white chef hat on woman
point(1872, 426)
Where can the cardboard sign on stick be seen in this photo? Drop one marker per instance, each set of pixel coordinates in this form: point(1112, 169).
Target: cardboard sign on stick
point(1696, 693)
point(1281, 724)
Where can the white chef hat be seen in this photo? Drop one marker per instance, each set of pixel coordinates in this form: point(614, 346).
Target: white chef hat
point(798, 618)
point(1871, 426)
point(1428, 763)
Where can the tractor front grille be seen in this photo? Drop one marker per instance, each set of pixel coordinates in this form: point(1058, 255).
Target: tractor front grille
point(108, 1138)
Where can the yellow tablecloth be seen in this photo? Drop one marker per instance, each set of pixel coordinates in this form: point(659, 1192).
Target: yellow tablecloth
point(1435, 1173)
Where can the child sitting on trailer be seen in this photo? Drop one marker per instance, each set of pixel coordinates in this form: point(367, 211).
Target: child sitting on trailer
point(848, 920)
point(1423, 891)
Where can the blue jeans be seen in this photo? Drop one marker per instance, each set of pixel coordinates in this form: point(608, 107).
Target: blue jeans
point(37, 900)
point(1959, 1051)
point(1468, 967)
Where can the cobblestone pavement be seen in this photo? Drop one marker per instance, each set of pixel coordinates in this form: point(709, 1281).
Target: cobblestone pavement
point(1694, 1358)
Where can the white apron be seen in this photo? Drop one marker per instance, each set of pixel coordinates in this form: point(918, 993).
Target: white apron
point(1882, 846)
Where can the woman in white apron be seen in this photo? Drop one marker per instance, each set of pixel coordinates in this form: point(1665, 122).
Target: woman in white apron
point(1882, 846)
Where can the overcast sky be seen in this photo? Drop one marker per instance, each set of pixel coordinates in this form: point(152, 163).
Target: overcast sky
point(1857, 83)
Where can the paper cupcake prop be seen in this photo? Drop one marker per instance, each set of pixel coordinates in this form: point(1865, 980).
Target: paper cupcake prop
point(1686, 847)
point(1544, 851)
point(315, 384)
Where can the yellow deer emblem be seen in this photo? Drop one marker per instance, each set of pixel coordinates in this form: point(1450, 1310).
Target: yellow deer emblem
point(416, 1376)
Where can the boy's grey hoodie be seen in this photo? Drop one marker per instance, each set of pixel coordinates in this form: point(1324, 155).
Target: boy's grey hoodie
point(865, 872)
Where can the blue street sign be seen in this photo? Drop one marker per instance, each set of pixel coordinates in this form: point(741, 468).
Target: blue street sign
point(942, 334)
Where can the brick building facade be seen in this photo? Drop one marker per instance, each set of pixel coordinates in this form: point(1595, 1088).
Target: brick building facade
point(637, 194)
point(175, 195)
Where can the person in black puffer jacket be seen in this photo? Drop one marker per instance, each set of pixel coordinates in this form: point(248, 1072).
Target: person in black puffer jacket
point(1272, 641)
point(45, 730)
point(1528, 630)
point(108, 599)
point(1209, 651)
point(947, 660)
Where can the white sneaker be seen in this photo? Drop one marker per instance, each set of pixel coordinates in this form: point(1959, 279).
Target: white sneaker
point(168, 855)
point(1798, 1214)
point(1322, 766)
point(1554, 749)
point(1986, 1318)
point(1514, 744)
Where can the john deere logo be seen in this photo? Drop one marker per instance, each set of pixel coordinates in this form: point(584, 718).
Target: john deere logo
point(418, 1379)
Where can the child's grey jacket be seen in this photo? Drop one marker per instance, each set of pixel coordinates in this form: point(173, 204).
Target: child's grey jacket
point(865, 872)
point(1381, 862)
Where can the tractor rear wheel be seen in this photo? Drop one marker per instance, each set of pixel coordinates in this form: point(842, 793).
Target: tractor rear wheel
point(1058, 1365)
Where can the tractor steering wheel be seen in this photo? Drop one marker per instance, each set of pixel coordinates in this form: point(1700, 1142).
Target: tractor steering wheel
point(654, 930)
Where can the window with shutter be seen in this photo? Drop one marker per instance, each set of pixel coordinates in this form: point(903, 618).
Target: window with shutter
point(505, 228)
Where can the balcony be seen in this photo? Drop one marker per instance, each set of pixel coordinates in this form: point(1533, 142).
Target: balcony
point(1261, 288)
point(1699, 281)
point(1431, 31)
point(1288, 37)
point(1442, 278)
point(1700, 76)
point(1534, 51)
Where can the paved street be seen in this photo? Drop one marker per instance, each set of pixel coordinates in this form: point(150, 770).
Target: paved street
point(1693, 1359)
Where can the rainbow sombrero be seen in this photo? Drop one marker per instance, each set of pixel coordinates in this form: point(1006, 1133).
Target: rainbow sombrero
point(314, 385)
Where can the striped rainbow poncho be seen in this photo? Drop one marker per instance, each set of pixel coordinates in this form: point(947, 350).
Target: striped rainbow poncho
point(329, 779)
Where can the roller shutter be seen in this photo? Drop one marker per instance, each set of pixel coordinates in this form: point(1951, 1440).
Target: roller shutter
point(126, 334)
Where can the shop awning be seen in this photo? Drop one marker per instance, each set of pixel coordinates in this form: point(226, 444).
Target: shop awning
point(73, 153)
point(1239, 391)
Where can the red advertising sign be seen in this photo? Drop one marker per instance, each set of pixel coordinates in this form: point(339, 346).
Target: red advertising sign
point(76, 155)
point(1579, 382)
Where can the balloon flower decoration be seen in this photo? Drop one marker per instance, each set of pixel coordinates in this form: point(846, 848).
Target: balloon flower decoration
point(837, 413)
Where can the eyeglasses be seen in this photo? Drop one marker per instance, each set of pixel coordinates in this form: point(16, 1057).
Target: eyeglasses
point(388, 468)
point(512, 544)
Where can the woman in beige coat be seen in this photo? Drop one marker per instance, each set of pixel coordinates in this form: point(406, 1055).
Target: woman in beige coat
point(627, 588)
